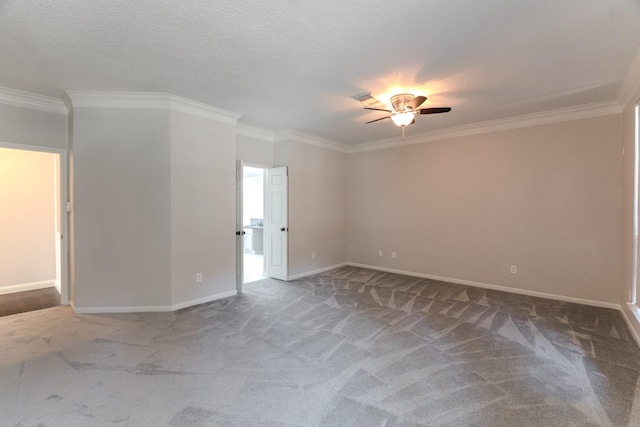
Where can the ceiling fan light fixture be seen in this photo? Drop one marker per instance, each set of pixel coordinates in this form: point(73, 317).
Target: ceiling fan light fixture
point(403, 119)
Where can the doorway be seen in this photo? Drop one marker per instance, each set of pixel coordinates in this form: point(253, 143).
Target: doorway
point(253, 213)
point(266, 217)
point(33, 182)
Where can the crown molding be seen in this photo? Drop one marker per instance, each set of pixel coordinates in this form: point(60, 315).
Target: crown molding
point(19, 98)
point(148, 100)
point(631, 83)
point(255, 132)
point(102, 99)
point(201, 109)
point(305, 138)
point(535, 119)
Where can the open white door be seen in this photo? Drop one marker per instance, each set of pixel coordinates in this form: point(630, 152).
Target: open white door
point(277, 227)
point(239, 229)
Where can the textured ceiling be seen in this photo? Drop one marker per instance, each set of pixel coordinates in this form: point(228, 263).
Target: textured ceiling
point(293, 64)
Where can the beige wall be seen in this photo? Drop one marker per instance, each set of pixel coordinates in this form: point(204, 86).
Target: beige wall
point(550, 199)
point(317, 206)
point(27, 218)
point(544, 198)
point(202, 207)
point(254, 151)
point(153, 205)
point(33, 127)
point(122, 207)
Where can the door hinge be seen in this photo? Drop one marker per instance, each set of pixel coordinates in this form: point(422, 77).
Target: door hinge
point(69, 207)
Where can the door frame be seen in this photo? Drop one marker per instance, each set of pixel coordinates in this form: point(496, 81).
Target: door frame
point(239, 226)
point(63, 215)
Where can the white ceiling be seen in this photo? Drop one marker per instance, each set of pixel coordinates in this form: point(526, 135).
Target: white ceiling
point(294, 64)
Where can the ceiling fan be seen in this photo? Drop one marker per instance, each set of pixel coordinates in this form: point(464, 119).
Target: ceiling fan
point(405, 108)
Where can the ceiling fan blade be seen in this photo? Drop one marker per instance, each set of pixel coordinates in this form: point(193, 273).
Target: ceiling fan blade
point(368, 100)
point(434, 110)
point(378, 109)
point(416, 102)
point(377, 120)
point(412, 122)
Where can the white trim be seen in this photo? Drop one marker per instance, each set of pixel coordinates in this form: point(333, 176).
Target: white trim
point(579, 112)
point(203, 300)
point(255, 165)
point(148, 100)
point(19, 98)
point(306, 138)
point(201, 109)
point(10, 289)
point(127, 309)
point(635, 311)
point(631, 83)
point(321, 270)
point(254, 132)
point(536, 119)
point(557, 297)
point(151, 308)
point(101, 99)
point(39, 148)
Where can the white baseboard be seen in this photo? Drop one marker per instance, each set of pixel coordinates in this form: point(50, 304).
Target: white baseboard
point(150, 308)
point(557, 297)
point(124, 309)
point(635, 312)
point(27, 287)
point(321, 270)
point(203, 300)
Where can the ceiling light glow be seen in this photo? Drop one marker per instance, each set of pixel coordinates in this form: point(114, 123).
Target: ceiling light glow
point(403, 119)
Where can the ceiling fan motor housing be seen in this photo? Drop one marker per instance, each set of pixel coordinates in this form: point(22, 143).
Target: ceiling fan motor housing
point(402, 101)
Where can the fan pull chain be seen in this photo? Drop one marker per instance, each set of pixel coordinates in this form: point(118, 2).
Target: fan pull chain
point(403, 133)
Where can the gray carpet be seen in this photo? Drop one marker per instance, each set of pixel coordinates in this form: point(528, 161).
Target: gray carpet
point(352, 347)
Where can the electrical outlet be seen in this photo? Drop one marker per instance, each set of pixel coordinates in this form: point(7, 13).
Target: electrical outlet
point(393, 255)
point(513, 269)
point(379, 253)
point(313, 255)
point(198, 277)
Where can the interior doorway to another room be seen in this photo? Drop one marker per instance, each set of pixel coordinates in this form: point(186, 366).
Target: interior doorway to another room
point(253, 222)
point(32, 182)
